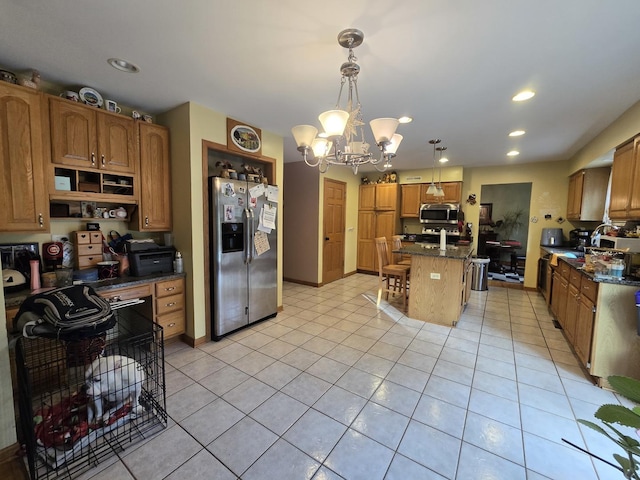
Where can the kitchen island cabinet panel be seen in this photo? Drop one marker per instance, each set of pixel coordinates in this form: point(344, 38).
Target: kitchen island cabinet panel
point(438, 283)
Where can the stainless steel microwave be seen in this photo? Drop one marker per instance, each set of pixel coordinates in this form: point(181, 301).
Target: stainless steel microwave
point(620, 243)
point(440, 213)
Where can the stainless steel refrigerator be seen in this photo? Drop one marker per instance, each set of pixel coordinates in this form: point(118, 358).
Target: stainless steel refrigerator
point(243, 256)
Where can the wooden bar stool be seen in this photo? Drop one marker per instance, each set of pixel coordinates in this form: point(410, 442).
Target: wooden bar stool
point(397, 257)
point(388, 271)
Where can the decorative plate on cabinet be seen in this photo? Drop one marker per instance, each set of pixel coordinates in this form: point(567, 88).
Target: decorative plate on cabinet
point(90, 97)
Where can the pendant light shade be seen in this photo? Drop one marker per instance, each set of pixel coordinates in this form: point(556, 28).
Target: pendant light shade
point(383, 129)
point(304, 135)
point(333, 122)
point(320, 147)
point(395, 143)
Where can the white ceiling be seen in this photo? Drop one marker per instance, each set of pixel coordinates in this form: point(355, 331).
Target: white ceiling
point(453, 65)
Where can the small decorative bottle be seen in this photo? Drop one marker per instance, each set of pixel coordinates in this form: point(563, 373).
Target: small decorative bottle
point(177, 263)
point(35, 274)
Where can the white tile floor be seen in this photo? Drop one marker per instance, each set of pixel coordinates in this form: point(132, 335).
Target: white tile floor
point(335, 388)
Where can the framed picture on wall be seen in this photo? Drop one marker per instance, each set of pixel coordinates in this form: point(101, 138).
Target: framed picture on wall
point(243, 138)
point(485, 213)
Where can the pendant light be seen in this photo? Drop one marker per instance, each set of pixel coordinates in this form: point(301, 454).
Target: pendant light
point(432, 186)
point(439, 190)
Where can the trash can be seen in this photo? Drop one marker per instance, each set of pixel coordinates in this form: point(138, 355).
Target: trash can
point(479, 275)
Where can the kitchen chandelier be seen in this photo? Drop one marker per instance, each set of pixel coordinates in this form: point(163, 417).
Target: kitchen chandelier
point(343, 142)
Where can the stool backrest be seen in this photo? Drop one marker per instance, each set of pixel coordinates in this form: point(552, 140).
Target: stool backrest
point(397, 245)
point(382, 247)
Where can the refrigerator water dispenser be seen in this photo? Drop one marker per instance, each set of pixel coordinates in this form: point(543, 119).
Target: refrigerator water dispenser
point(232, 237)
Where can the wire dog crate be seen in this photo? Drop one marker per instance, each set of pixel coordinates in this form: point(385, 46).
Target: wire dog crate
point(58, 399)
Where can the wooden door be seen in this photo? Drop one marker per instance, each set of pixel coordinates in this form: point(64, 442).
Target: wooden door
point(73, 134)
point(334, 212)
point(621, 177)
point(366, 248)
point(25, 206)
point(410, 201)
point(117, 143)
point(154, 213)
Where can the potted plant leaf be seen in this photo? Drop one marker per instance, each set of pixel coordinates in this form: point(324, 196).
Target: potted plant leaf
point(510, 223)
point(627, 417)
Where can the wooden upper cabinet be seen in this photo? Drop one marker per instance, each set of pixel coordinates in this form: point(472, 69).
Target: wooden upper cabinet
point(387, 196)
point(634, 195)
point(116, 143)
point(410, 200)
point(378, 196)
point(367, 197)
point(23, 196)
point(154, 212)
point(83, 136)
point(452, 193)
point(622, 175)
point(587, 194)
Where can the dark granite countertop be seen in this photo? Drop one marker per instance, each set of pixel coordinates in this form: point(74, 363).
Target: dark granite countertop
point(578, 264)
point(433, 250)
point(15, 299)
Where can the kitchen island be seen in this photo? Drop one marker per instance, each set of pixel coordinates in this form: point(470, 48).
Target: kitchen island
point(440, 282)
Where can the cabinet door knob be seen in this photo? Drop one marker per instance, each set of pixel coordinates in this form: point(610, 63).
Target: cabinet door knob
point(93, 159)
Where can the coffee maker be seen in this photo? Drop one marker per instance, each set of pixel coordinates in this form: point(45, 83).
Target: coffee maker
point(580, 238)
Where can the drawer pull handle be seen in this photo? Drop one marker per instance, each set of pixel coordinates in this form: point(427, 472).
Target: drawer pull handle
point(170, 304)
point(172, 324)
point(93, 159)
point(103, 162)
point(169, 289)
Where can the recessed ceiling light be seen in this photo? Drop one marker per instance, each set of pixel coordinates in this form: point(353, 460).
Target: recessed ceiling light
point(524, 95)
point(123, 65)
point(513, 153)
point(517, 133)
point(405, 119)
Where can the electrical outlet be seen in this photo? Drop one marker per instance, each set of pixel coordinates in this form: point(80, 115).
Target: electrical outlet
point(435, 276)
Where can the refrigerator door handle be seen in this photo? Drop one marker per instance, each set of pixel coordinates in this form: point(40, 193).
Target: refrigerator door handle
point(251, 235)
point(246, 215)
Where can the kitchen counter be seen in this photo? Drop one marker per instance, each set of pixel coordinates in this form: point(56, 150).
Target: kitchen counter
point(433, 250)
point(440, 281)
point(578, 264)
point(15, 299)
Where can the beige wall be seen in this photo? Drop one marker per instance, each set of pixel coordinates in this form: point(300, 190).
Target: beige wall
point(549, 190)
point(351, 220)
point(304, 197)
point(301, 207)
point(194, 123)
point(623, 128)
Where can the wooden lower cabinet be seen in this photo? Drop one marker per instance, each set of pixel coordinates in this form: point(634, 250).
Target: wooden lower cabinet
point(584, 330)
point(571, 312)
point(170, 306)
point(168, 300)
